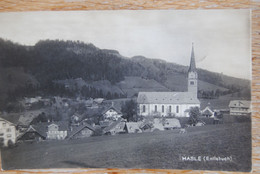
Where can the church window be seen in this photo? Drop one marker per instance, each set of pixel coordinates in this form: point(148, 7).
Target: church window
point(162, 108)
point(177, 109)
point(170, 109)
point(191, 82)
point(143, 108)
point(155, 108)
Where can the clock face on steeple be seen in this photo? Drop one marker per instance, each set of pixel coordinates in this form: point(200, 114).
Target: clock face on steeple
point(192, 75)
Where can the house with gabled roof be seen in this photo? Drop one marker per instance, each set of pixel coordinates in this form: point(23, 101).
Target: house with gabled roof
point(33, 133)
point(171, 103)
point(207, 112)
point(240, 107)
point(112, 113)
point(82, 131)
point(57, 130)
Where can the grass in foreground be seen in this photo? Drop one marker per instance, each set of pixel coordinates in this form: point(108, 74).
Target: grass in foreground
point(162, 150)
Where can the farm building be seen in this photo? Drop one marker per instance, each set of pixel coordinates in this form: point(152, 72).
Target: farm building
point(7, 132)
point(171, 103)
point(240, 107)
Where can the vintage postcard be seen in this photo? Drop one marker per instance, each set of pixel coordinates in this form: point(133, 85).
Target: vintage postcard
point(159, 89)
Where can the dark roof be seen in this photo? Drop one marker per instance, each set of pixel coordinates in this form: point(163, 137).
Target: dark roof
point(41, 128)
point(12, 118)
point(192, 67)
point(79, 128)
point(94, 111)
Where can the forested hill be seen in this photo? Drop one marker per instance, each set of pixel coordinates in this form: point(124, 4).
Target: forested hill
point(35, 68)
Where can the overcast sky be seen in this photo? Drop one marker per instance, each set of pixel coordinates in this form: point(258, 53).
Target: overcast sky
point(221, 37)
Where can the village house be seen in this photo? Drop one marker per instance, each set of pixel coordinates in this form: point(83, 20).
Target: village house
point(207, 112)
point(171, 123)
point(240, 107)
point(133, 127)
point(76, 118)
point(112, 113)
point(171, 103)
point(7, 132)
point(98, 101)
point(57, 130)
point(33, 133)
point(164, 124)
point(82, 131)
point(29, 101)
point(115, 128)
point(150, 125)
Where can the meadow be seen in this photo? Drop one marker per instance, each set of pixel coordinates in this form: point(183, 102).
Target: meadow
point(160, 149)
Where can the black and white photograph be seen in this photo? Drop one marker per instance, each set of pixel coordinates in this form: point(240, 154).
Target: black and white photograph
point(127, 89)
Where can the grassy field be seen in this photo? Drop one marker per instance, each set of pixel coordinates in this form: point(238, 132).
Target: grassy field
point(162, 149)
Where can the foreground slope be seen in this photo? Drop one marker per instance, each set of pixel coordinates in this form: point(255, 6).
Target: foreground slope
point(162, 149)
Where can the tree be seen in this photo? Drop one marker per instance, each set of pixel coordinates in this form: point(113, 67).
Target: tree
point(194, 115)
point(129, 110)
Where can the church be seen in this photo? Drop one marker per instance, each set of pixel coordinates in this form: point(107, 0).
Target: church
point(171, 103)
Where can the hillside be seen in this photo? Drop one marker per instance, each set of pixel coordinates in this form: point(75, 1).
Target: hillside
point(132, 85)
point(35, 70)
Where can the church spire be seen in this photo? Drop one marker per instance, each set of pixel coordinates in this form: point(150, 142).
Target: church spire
point(192, 67)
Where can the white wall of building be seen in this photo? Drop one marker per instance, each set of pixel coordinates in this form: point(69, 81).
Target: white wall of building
point(176, 109)
point(7, 132)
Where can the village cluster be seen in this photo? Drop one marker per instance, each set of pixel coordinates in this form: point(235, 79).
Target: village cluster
point(158, 110)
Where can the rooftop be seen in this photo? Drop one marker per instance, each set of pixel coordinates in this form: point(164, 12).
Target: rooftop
point(167, 98)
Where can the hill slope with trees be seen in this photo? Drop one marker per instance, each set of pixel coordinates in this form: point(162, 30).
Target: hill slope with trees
point(35, 70)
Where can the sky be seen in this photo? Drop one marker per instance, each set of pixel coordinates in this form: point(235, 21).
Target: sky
point(221, 37)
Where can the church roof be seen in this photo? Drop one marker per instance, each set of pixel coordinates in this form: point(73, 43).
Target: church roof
point(167, 98)
point(192, 67)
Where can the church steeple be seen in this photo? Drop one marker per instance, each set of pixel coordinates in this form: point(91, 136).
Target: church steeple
point(192, 75)
point(192, 67)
